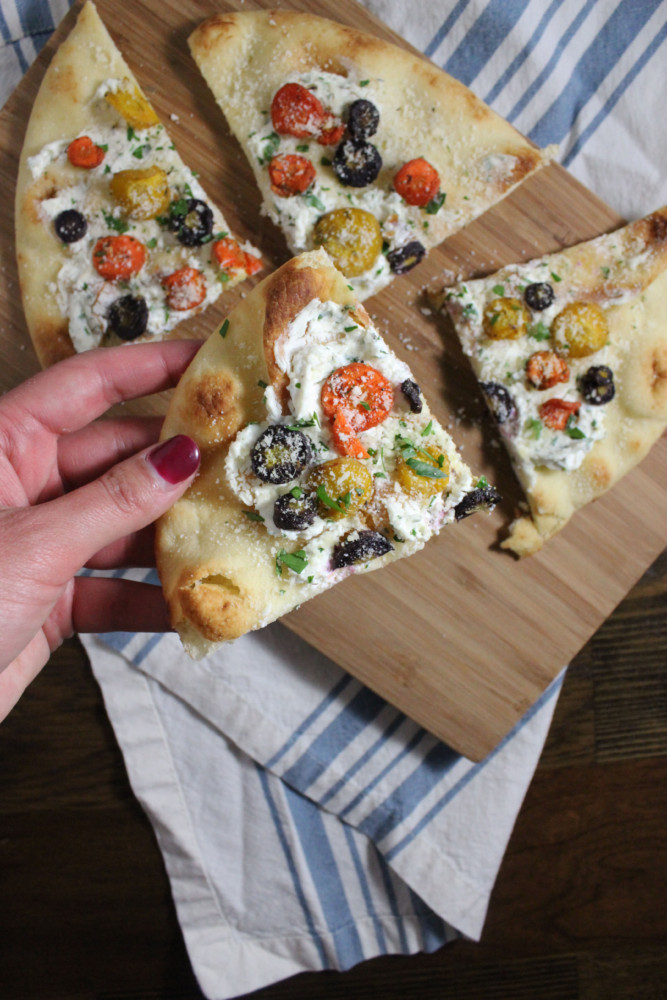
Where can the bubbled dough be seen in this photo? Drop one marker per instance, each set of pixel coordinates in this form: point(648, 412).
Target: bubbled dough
point(246, 56)
point(637, 416)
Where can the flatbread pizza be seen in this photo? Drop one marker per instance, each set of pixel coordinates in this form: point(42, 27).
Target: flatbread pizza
point(571, 354)
point(320, 458)
point(357, 145)
point(116, 239)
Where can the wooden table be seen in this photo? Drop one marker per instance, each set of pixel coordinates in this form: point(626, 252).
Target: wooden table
point(578, 912)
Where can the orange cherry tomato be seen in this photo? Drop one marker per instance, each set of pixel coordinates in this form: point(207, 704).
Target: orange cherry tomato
point(296, 111)
point(546, 368)
point(231, 257)
point(417, 182)
point(83, 152)
point(361, 392)
point(290, 174)
point(185, 288)
point(556, 412)
point(118, 257)
point(332, 130)
point(344, 438)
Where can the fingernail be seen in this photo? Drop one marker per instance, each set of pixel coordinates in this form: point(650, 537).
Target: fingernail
point(176, 459)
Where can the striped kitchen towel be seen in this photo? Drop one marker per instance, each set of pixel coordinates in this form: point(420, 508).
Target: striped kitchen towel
point(305, 824)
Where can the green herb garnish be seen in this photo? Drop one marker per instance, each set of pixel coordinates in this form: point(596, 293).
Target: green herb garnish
point(224, 328)
point(435, 204)
point(252, 515)
point(296, 561)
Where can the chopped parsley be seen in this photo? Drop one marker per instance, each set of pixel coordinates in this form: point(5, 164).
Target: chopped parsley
point(435, 204)
point(252, 515)
point(315, 202)
point(572, 430)
point(534, 426)
point(498, 289)
point(224, 328)
point(556, 277)
point(296, 561)
point(119, 225)
point(427, 430)
point(539, 331)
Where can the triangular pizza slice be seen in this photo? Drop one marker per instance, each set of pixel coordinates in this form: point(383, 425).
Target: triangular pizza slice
point(320, 458)
point(571, 354)
point(116, 239)
point(357, 145)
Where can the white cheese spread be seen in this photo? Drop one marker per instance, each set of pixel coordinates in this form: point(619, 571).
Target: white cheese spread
point(322, 338)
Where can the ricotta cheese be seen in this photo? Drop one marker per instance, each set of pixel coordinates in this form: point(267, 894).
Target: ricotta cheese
point(83, 296)
point(322, 338)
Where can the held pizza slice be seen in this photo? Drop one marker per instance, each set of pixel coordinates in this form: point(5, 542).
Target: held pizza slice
point(320, 458)
point(357, 145)
point(116, 239)
point(571, 354)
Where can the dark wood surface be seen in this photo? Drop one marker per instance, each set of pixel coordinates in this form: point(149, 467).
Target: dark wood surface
point(578, 912)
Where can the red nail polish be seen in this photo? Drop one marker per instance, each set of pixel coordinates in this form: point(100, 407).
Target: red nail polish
point(175, 459)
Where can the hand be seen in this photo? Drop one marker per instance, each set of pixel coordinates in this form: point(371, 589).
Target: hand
point(75, 493)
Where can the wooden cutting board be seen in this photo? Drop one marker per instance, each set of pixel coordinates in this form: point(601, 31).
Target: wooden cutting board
point(462, 637)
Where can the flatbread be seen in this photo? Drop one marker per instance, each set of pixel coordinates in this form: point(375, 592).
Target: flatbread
point(624, 274)
point(66, 301)
point(247, 57)
point(225, 565)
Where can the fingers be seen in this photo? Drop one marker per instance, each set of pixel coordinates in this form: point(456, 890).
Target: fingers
point(137, 549)
point(105, 604)
point(89, 452)
point(74, 392)
point(67, 532)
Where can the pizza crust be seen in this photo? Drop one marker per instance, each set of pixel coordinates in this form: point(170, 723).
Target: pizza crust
point(626, 273)
point(218, 567)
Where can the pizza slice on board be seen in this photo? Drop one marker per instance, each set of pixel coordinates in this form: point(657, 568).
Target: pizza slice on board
point(320, 458)
point(128, 242)
point(571, 354)
point(357, 145)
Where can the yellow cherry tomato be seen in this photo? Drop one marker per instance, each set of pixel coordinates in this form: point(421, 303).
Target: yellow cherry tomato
point(580, 329)
point(506, 319)
point(342, 486)
point(134, 108)
point(351, 237)
point(142, 193)
point(424, 475)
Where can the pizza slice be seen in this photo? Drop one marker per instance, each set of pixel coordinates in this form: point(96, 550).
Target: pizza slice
point(571, 354)
point(357, 145)
point(320, 458)
point(116, 239)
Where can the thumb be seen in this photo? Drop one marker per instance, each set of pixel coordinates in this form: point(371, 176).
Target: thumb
point(129, 496)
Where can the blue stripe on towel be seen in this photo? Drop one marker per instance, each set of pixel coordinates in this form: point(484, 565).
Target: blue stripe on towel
point(291, 865)
point(553, 62)
point(347, 725)
point(365, 888)
point(397, 721)
point(616, 95)
point(601, 55)
point(520, 59)
point(445, 27)
point(331, 697)
point(405, 752)
point(410, 793)
point(483, 39)
point(326, 878)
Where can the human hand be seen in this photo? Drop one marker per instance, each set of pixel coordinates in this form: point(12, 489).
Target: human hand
point(75, 493)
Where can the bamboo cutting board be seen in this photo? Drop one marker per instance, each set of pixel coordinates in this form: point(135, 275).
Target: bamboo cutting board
point(462, 637)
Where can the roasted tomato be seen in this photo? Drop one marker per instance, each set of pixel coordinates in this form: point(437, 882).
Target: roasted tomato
point(116, 258)
point(134, 108)
point(296, 111)
point(505, 319)
point(556, 412)
point(142, 193)
point(417, 182)
point(185, 288)
point(342, 486)
point(352, 238)
point(546, 368)
point(424, 474)
point(83, 152)
point(290, 174)
point(580, 329)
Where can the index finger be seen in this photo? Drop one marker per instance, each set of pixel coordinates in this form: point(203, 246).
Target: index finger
point(74, 392)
